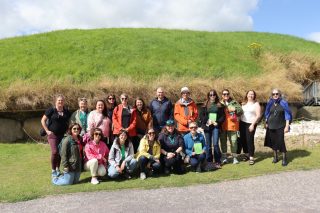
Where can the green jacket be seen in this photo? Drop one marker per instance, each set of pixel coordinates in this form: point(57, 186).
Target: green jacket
point(70, 154)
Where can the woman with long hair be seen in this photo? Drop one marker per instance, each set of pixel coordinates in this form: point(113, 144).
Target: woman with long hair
point(211, 118)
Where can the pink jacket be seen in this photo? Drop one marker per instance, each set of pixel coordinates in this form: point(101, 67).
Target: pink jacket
point(94, 119)
point(96, 151)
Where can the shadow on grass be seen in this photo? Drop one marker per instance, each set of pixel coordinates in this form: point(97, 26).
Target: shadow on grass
point(291, 155)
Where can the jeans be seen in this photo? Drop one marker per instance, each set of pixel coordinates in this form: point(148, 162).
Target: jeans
point(130, 167)
point(197, 159)
point(143, 161)
point(67, 178)
point(212, 138)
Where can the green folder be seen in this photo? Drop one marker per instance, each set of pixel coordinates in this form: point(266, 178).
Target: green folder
point(213, 117)
point(197, 148)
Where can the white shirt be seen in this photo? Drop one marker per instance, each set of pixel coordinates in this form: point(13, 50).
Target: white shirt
point(249, 112)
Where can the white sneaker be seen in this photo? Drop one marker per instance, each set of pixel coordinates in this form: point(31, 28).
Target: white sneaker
point(94, 181)
point(235, 161)
point(224, 161)
point(143, 176)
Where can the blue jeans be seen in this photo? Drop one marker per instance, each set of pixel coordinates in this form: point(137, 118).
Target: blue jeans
point(212, 138)
point(143, 161)
point(68, 178)
point(130, 166)
point(197, 159)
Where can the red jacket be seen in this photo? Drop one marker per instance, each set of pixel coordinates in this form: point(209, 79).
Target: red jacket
point(117, 120)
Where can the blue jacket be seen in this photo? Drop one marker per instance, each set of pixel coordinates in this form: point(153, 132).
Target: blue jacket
point(189, 142)
point(283, 104)
point(161, 112)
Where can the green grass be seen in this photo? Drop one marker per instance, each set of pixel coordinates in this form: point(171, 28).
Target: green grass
point(85, 55)
point(25, 173)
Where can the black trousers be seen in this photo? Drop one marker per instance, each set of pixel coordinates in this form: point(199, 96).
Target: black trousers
point(246, 140)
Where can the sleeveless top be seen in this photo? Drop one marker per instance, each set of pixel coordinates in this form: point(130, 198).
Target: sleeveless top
point(249, 112)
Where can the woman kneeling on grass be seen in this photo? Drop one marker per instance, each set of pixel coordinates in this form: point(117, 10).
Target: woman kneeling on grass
point(71, 157)
point(96, 156)
point(121, 158)
point(149, 154)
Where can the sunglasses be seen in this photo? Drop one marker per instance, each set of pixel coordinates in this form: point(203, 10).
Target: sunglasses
point(225, 93)
point(212, 95)
point(76, 128)
point(193, 127)
point(110, 98)
point(83, 99)
point(275, 93)
point(151, 133)
point(97, 134)
point(185, 93)
point(124, 99)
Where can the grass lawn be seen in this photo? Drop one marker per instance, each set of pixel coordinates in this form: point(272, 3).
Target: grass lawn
point(26, 172)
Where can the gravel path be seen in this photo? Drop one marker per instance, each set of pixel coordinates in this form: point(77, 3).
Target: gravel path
point(296, 191)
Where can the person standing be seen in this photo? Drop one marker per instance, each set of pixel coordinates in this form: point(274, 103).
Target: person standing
point(144, 118)
point(248, 124)
point(81, 115)
point(230, 127)
point(278, 117)
point(161, 110)
point(58, 117)
point(185, 111)
point(124, 118)
point(211, 118)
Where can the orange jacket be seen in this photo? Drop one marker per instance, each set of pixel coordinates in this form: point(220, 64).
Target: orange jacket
point(182, 118)
point(117, 120)
point(144, 121)
point(231, 122)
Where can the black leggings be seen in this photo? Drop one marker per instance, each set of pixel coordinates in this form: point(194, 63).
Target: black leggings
point(246, 141)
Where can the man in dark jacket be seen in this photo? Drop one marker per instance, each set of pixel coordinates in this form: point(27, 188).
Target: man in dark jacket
point(161, 109)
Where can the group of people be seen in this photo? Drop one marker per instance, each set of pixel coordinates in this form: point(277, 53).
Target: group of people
point(118, 139)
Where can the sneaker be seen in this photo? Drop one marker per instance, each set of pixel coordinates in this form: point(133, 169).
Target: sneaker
point(235, 161)
point(94, 181)
point(224, 161)
point(143, 176)
point(54, 174)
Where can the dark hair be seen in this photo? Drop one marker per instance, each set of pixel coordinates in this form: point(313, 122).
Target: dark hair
point(69, 131)
point(95, 130)
point(216, 101)
point(143, 104)
point(227, 90)
point(105, 110)
point(166, 132)
point(155, 136)
point(117, 140)
point(109, 105)
point(246, 98)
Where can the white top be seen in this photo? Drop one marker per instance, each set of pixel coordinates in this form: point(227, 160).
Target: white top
point(249, 112)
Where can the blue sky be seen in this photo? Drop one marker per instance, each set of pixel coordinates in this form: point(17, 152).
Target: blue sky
point(293, 17)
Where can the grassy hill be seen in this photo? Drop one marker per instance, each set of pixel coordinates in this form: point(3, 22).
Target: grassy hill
point(95, 62)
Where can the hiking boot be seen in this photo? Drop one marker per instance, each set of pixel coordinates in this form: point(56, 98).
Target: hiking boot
point(224, 161)
point(143, 176)
point(275, 160)
point(284, 162)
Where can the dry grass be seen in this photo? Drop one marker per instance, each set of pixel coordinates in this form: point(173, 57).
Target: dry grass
point(285, 72)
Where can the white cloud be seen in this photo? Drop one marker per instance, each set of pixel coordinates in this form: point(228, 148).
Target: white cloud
point(314, 37)
point(31, 16)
